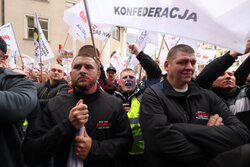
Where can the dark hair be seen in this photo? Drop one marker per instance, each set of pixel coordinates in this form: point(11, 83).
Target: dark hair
point(87, 55)
point(89, 49)
point(175, 49)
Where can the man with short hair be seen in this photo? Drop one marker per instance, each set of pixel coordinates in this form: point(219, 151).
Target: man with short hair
point(34, 75)
point(182, 123)
point(131, 94)
point(55, 86)
point(107, 136)
point(17, 100)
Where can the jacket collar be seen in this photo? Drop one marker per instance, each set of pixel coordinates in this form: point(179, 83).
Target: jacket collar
point(193, 89)
point(79, 95)
point(127, 96)
point(62, 81)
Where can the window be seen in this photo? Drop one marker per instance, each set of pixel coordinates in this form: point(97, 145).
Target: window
point(70, 3)
point(116, 33)
point(30, 27)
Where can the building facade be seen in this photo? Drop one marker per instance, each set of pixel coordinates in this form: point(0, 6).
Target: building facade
point(50, 13)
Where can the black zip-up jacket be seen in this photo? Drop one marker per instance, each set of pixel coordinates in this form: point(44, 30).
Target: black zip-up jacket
point(52, 134)
point(17, 99)
point(174, 126)
point(153, 76)
point(46, 91)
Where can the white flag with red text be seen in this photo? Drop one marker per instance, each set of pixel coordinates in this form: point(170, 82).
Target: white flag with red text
point(77, 21)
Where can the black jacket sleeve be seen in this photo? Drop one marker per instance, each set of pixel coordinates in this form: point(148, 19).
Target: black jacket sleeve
point(150, 66)
point(216, 139)
point(161, 138)
point(213, 70)
point(242, 72)
point(119, 145)
point(18, 98)
point(43, 139)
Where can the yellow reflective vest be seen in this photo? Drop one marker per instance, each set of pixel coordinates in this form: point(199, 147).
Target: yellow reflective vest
point(133, 115)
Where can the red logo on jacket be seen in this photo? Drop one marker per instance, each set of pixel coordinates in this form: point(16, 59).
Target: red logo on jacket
point(202, 115)
point(103, 124)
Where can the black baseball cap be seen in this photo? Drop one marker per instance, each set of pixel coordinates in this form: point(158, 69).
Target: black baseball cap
point(111, 69)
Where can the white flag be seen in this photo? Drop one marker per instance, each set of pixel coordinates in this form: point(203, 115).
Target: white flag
point(39, 37)
point(205, 56)
point(117, 62)
point(77, 21)
point(7, 33)
point(224, 23)
point(27, 61)
point(12, 58)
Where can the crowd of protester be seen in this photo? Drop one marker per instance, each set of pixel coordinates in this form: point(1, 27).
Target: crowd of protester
point(51, 119)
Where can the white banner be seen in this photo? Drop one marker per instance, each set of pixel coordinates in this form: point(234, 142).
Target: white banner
point(224, 23)
point(27, 61)
point(39, 37)
point(7, 33)
point(173, 41)
point(204, 56)
point(12, 59)
point(117, 62)
point(77, 21)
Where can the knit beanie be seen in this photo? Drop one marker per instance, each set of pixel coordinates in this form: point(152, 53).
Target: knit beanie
point(3, 45)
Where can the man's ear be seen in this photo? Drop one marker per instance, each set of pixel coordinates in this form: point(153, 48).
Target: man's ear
point(98, 74)
point(166, 64)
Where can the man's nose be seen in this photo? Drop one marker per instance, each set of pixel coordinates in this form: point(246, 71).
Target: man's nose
point(189, 66)
point(83, 69)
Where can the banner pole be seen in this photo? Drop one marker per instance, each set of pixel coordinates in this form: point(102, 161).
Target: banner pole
point(161, 46)
point(104, 47)
point(166, 43)
point(39, 45)
point(65, 41)
point(17, 47)
point(90, 29)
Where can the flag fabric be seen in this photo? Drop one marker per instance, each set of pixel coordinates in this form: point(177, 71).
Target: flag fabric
point(205, 56)
point(12, 59)
point(46, 52)
point(77, 21)
point(117, 62)
point(27, 61)
point(207, 21)
point(7, 33)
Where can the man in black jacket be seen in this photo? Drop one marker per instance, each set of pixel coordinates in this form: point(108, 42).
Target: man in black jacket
point(17, 100)
point(182, 123)
point(107, 137)
point(54, 86)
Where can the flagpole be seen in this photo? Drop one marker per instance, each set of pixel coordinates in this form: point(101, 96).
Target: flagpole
point(161, 47)
point(18, 47)
point(65, 41)
point(90, 29)
point(104, 47)
point(39, 45)
point(166, 43)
